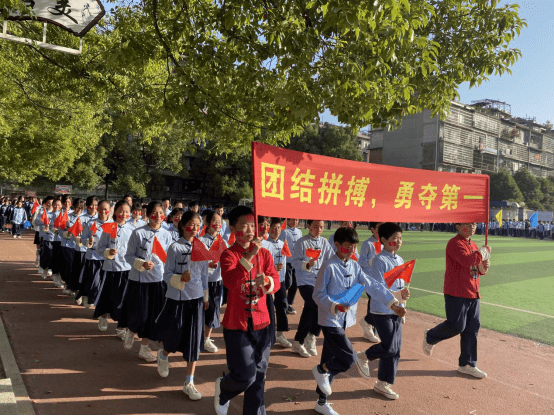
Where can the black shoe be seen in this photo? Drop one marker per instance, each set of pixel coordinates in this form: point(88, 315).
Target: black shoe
point(290, 310)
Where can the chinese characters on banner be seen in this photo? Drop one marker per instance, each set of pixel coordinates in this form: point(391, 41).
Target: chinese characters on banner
point(294, 184)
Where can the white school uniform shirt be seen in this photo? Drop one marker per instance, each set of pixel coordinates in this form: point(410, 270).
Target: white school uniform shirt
point(304, 276)
point(214, 275)
point(19, 215)
point(367, 253)
point(93, 253)
point(68, 239)
point(117, 263)
point(291, 236)
point(381, 264)
point(275, 247)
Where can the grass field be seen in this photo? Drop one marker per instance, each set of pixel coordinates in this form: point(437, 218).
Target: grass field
point(517, 295)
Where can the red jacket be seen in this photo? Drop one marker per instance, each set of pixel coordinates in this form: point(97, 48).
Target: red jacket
point(461, 278)
point(244, 300)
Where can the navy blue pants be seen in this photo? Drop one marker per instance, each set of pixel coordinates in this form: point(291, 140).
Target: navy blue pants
point(337, 354)
point(247, 360)
point(462, 317)
point(281, 304)
point(290, 283)
point(308, 319)
point(388, 350)
point(16, 228)
point(369, 317)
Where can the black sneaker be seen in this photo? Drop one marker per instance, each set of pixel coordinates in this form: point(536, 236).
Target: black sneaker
point(290, 310)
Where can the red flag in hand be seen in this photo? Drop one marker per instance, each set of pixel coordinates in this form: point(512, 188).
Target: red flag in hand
point(44, 217)
point(284, 225)
point(377, 246)
point(354, 257)
point(203, 232)
point(61, 221)
point(110, 228)
point(286, 250)
point(35, 207)
point(404, 272)
point(93, 228)
point(199, 251)
point(232, 239)
point(217, 248)
point(313, 253)
point(76, 228)
point(157, 249)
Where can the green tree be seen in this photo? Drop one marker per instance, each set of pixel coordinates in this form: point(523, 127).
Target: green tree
point(327, 140)
point(547, 188)
point(503, 187)
point(536, 205)
point(529, 186)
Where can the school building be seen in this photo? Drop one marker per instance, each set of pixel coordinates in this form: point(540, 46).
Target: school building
point(479, 138)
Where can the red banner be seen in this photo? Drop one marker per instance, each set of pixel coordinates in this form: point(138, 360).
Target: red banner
point(293, 184)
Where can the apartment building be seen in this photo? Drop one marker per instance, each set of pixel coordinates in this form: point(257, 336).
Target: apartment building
point(479, 138)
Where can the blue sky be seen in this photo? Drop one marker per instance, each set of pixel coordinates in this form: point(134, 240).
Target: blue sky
point(530, 88)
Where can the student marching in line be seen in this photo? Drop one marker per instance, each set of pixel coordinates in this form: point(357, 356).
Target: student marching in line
point(18, 217)
point(275, 247)
point(181, 321)
point(144, 298)
point(46, 237)
point(3, 208)
point(248, 272)
point(388, 325)
point(112, 246)
point(218, 209)
point(370, 248)
point(465, 263)
point(57, 259)
point(212, 319)
point(337, 275)
point(310, 252)
point(94, 260)
point(174, 217)
point(36, 241)
point(136, 216)
point(166, 205)
point(78, 265)
point(69, 243)
point(291, 235)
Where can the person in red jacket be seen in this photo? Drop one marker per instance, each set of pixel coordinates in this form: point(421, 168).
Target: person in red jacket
point(465, 263)
point(248, 273)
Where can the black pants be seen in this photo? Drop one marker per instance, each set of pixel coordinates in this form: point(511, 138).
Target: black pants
point(388, 350)
point(462, 317)
point(16, 228)
point(338, 355)
point(247, 360)
point(369, 317)
point(308, 319)
point(280, 303)
point(290, 283)
point(46, 252)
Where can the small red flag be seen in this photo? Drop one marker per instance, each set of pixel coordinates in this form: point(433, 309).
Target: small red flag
point(217, 248)
point(110, 228)
point(286, 250)
point(199, 251)
point(232, 239)
point(44, 217)
point(76, 228)
point(158, 250)
point(203, 232)
point(313, 253)
point(61, 221)
point(35, 207)
point(284, 225)
point(404, 272)
point(354, 257)
point(93, 228)
point(377, 246)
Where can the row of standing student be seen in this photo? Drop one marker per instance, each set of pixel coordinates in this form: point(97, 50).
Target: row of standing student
point(13, 215)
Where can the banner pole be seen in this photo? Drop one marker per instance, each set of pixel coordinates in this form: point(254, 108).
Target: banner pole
point(486, 233)
point(254, 193)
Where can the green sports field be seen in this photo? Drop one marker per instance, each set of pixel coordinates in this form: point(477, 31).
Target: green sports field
point(517, 295)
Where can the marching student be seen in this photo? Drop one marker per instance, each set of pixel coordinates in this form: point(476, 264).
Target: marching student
point(337, 275)
point(291, 234)
point(3, 208)
point(36, 228)
point(174, 217)
point(248, 272)
point(57, 210)
point(19, 216)
point(68, 244)
point(136, 216)
point(115, 268)
point(143, 300)
point(275, 247)
point(367, 253)
point(46, 237)
point(166, 203)
point(388, 325)
point(465, 263)
point(218, 208)
point(310, 252)
point(212, 318)
point(94, 260)
point(181, 321)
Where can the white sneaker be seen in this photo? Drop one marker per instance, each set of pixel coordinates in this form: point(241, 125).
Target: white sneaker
point(18, 236)
point(283, 341)
point(66, 292)
point(220, 409)
point(120, 333)
point(427, 348)
point(102, 324)
point(209, 345)
point(190, 390)
point(44, 274)
point(14, 236)
point(129, 339)
point(85, 302)
point(163, 365)
point(325, 409)
point(382, 387)
point(369, 334)
point(310, 343)
point(322, 381)
point(49, 272)
point(79, 301)
point(57, 280)
point(472, 371)
point(37, 261)
point(363, 365)
point(300, 349)
point(145, 353)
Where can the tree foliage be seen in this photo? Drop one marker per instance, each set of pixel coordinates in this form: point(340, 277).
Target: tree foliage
point(503, 187)
point(529, 186)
